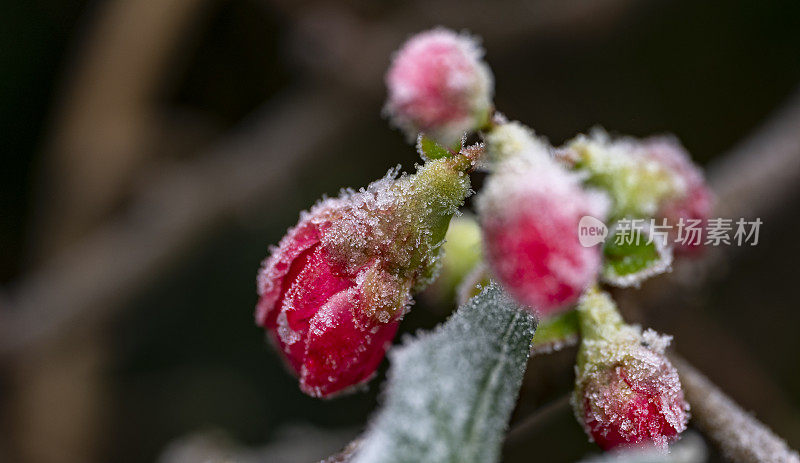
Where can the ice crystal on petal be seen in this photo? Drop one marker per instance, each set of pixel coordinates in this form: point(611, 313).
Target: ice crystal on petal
point(653, 177)
point(696, 200)
point(689, 449)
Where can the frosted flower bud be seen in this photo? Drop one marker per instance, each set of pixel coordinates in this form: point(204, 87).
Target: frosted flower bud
point(332, 293)
point(627, 393)
point(636, 183)
point(694, 200)
point(510, 140)
point(654, 177)
point(529, 208)
point(439, 84)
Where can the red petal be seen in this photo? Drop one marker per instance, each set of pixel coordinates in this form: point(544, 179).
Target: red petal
point(340, 351)
point(537, 255)
point(271, 280)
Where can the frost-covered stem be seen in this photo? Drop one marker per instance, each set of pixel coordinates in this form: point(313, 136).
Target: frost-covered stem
point(345, 455)
point(599, 319)
point(740, 436)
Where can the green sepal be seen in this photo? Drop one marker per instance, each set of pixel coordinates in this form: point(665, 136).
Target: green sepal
point(430, 150)
point(629, 262)
point(556, 331)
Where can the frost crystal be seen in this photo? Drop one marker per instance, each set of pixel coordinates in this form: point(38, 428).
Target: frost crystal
point(512, 140)
point(439, 84)
point(627, 392)
point(689, 449)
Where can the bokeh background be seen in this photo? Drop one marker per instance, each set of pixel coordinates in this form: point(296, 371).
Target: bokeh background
point(152, 150)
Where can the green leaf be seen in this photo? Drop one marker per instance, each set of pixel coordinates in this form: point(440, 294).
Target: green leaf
point(629, 260)
point(451, 392)
point(429, 150)
point(556, 331)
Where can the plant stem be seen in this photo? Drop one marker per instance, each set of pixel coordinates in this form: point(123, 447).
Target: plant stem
point(739, 435)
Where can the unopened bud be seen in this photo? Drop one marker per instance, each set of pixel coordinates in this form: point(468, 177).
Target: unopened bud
point(439, 84)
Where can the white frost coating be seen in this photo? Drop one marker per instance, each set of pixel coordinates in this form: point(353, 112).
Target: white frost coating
point(690, 449)
point(286, 333)
point(439, 84)
point(525, 168)
point(645, 368)
point(512, 139)
point(391, 219)
point(450, 393)
point(740, 436)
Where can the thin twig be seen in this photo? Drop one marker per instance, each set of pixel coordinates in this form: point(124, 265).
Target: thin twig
point(740, 436)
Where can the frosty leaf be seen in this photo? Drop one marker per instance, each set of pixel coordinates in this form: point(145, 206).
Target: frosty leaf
point(429, 150)
point(450, 393)
point(556, 332)
point(628, 262)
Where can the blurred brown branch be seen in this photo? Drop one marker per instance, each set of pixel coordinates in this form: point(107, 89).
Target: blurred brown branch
point(106, 122)
point(170, 214)
point(740, 436)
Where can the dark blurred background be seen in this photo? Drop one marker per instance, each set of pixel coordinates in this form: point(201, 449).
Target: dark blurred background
point(154, 149)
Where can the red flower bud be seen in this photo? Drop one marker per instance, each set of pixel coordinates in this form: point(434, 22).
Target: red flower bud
point(530, 208)
point(438, 84)
point(627, 392)
point(334, 290)
point(638, 406)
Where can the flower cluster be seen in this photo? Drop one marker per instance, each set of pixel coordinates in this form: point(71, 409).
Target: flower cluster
point(332, 294)
point(654, 177)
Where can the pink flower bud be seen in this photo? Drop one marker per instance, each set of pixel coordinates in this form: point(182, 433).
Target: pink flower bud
point(439, 85)
point(530, 208)
point(695, 200)
point(634, 404)
point(627, 392)
point(332, 293)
